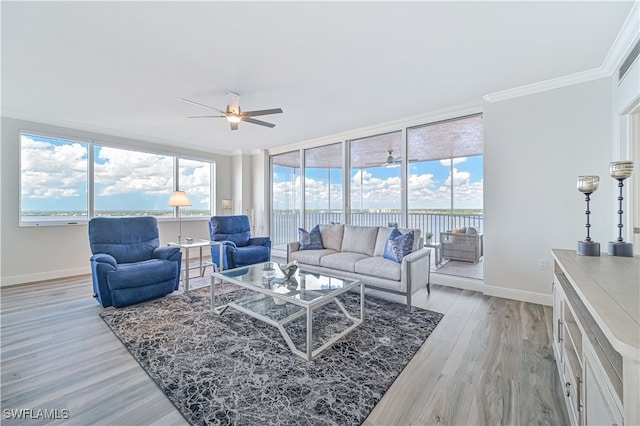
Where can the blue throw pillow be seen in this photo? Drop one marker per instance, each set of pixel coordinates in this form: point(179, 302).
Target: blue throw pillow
point(398, 245)
point(310, 240)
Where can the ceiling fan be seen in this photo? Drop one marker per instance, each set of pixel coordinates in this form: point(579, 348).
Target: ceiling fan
point(234, 115)
point(391, 161)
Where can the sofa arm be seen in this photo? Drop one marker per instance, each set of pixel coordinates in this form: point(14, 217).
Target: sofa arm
point(416, 269)
point(104, 258)
point(291, 248)
point(165, 252)
point(260, 241)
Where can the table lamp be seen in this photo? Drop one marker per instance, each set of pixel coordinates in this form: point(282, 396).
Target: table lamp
point(179, 199)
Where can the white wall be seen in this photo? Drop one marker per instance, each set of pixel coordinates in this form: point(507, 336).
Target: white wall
point(535, 147)
point(236, 184)
point(41, 253)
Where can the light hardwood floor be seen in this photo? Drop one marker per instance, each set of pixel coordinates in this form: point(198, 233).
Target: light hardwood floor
point(488, 362)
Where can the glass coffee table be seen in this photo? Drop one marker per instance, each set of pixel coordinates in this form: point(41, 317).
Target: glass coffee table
point(278, 302)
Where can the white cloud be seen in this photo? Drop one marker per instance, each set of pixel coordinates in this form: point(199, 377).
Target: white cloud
point(130, 171)
point(459, 178)
point(195, 178)
point(42, 176)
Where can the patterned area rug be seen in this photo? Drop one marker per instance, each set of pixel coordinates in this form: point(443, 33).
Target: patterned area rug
point(233, 369)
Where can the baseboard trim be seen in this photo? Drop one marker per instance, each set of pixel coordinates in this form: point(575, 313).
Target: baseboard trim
point(481, 287)
point(44, 276)
point(521, 295)
point(457, 282)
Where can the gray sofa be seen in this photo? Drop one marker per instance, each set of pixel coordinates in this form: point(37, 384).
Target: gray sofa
point(357, 252)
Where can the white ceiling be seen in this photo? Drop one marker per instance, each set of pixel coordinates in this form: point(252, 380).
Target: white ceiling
point(119, 68)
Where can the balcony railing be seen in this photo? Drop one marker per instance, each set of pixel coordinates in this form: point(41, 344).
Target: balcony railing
point(285, 225)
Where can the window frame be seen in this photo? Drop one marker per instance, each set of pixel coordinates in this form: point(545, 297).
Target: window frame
point(64, 220)
point(91, 144)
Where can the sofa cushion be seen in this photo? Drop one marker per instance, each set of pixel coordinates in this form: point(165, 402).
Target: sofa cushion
point(398, 245)
point(310, 240)
point(383, 236)
point(345, 261)
point(332, 236)
point(379, 267)
point(359, 239)
point(310, 257)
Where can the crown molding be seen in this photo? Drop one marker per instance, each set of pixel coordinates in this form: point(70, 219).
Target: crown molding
point(554, 83)
point(625, 40)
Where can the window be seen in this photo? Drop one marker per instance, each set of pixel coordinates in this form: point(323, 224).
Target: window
point(427, 177)
point(375, 180)
point(286, 198)
point(445, 175)
point(194, 178)
point(53, 180)
point(323, 185)
point(132, 183)
point(68, 181)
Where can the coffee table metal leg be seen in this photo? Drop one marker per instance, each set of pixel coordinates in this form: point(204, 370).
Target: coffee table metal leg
point(213, 292)
point(361, 301)
point(186, 271)
point(309, 333)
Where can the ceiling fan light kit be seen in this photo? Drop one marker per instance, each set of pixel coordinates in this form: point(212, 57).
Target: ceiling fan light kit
point(234, 115)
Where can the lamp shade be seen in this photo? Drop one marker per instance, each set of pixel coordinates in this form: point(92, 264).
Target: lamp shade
point(179, 198)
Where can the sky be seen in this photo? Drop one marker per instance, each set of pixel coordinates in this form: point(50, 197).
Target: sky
point(54, 178)
point(379, 188)
point(131, 180)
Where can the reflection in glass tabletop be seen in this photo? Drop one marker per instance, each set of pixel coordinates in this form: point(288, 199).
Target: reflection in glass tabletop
point(279, 301)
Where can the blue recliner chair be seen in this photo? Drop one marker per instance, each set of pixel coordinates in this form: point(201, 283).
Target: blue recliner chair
point(128, 265)
point(240, 249)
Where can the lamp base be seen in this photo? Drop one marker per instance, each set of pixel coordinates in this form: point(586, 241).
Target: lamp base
point(618, 248)
point(588, 248)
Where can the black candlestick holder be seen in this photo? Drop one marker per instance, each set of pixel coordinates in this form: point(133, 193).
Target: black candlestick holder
point(620, 170)
point(588, 185)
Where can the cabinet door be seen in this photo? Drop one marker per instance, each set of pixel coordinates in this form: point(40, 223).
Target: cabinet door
point(557, 321)
point(572, 390)
point(600, 405)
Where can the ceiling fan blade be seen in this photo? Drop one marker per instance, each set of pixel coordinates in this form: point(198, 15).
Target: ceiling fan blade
point(208, 116)
point(254, 121)
point(199, 104)
point(234, 126)
point(261, 112)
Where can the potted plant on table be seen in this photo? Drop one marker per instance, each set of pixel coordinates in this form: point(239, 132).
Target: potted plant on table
point(428, 236)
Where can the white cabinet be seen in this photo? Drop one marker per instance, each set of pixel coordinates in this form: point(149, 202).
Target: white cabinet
point(603, 405)
point(596, 334)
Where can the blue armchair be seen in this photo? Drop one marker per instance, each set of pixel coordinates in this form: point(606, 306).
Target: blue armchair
point(239, 248)
point(128, 265)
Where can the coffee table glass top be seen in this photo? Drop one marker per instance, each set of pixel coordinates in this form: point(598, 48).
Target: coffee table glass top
point(306, 286)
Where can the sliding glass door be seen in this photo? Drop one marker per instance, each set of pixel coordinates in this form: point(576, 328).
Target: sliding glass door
point(286, 198)
point(445, 175)
point(323, 185)
point(375, 180)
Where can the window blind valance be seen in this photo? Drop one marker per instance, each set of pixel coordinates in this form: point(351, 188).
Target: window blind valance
point(460, 137)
